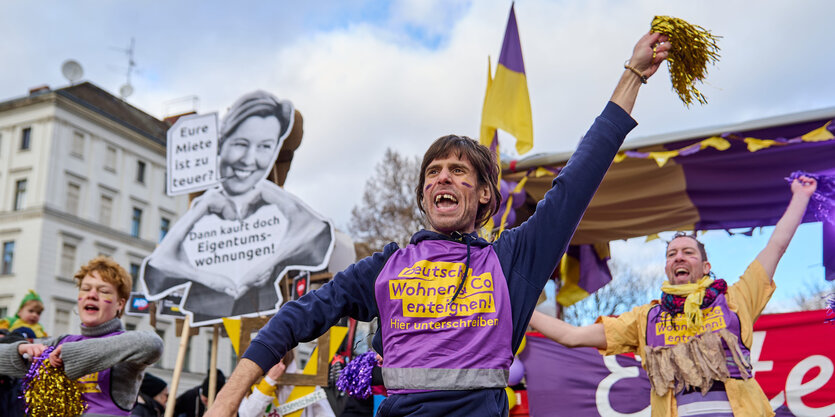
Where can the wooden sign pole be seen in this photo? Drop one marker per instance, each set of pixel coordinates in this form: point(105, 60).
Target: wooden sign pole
point(213, 365)
point(178, 368)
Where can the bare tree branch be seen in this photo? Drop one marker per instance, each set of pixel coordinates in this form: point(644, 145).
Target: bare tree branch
point(629, 288)
point(388, 212)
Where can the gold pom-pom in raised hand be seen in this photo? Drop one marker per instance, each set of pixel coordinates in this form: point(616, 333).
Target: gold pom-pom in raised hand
point(51, 393)
point(693, 47)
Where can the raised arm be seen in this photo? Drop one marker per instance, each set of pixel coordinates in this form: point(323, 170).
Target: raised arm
point(567, 335)
point(650, 51)
point(350, 293)
point(802, 190)
point(229, 398)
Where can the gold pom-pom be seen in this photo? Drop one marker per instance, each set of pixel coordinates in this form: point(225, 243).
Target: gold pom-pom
point(693, 47)
point(48, 392)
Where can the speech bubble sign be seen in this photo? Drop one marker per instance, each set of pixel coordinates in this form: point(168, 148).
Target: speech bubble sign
point(192, 154)
point(234, 247)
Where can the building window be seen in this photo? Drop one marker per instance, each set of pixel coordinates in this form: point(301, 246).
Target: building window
point(8, 257)
point(67, 260)
point(135, 222)
point(140, 172)
point(77, 149)
point(105, 209)
point(134, 274)
point(110, 159)
point(62, 321)
point(4, 311)
point(19, 195)
point(25, 138)
point(73, 195)
point(164, 225)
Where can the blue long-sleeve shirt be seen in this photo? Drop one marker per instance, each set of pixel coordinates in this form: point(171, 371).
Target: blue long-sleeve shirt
point(527, 254)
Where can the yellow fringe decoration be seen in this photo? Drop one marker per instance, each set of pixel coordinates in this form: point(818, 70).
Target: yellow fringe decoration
point(693, 48)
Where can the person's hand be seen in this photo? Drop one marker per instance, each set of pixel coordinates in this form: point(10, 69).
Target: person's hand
point(804, 185)
point(219, 283)
point(650, 51)
point(277, 371)
point(253, 278)
point(219, 204)
point(379, 360)
point(30, 350)
point(55, 358)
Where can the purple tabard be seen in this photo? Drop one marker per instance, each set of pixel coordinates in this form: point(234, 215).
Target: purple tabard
point(95, 387)
point(423, 328)
point(662, 332)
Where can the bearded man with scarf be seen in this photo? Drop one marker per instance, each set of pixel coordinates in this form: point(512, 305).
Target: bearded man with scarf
point(694, 342)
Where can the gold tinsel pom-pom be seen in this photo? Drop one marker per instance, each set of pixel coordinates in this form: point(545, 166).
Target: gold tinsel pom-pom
point(693, 47)
point(48, 392)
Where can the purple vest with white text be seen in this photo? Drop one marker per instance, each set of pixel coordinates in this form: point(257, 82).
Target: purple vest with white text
point(431, 342)
point(95, 387)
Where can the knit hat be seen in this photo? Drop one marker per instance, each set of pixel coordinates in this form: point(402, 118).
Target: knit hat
point(30, 296)
point(152, 385)
point(221, 379)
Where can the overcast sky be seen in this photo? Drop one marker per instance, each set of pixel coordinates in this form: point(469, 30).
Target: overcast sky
point(367, 75)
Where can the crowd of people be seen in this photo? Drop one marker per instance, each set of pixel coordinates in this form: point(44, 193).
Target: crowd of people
point(447, 353)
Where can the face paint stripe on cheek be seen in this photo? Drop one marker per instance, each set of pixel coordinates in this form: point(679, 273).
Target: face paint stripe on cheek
point(428, 186)
point(466, 184)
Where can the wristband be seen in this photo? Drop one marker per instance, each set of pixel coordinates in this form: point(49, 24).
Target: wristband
point(636, 72)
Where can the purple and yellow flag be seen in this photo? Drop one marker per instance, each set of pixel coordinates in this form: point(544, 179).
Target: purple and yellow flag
point(507, 105)
point(582, 270)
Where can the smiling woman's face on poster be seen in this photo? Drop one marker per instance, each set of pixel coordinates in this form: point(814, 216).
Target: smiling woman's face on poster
point(247, 153)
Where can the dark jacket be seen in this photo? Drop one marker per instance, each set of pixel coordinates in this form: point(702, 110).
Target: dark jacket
point(148, 407)
point(528, 255)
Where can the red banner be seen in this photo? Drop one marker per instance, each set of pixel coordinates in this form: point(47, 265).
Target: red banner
point(793, 356)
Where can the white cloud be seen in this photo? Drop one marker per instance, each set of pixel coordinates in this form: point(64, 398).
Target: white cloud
point(368, 84)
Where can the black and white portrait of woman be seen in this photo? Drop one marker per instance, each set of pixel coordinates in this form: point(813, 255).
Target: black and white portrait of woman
point(237, 240)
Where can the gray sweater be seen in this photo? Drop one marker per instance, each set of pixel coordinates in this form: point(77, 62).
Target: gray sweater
point(127, 354)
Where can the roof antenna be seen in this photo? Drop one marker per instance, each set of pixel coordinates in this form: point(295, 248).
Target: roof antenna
point(127, 89)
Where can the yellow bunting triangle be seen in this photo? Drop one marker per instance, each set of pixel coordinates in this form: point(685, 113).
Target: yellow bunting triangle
point(818, 135)
point(716, 142)
point(661, 157)
point(544, 172)
point(755, 144)
point(233, 329)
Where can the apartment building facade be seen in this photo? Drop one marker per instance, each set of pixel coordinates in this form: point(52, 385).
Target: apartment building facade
point(82, 173)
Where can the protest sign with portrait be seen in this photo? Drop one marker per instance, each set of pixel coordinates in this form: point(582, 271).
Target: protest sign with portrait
point(229, 251)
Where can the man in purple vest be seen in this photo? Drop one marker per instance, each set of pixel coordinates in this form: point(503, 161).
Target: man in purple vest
point(694, 342)
point(453, 307)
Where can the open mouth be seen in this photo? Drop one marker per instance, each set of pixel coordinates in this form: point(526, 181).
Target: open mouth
point(91, 308)
point(242, 173)
point(445, 200)
point(681, 272)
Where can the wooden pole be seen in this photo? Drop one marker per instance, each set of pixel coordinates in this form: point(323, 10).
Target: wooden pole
point(178, 369)
point(213, 366)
